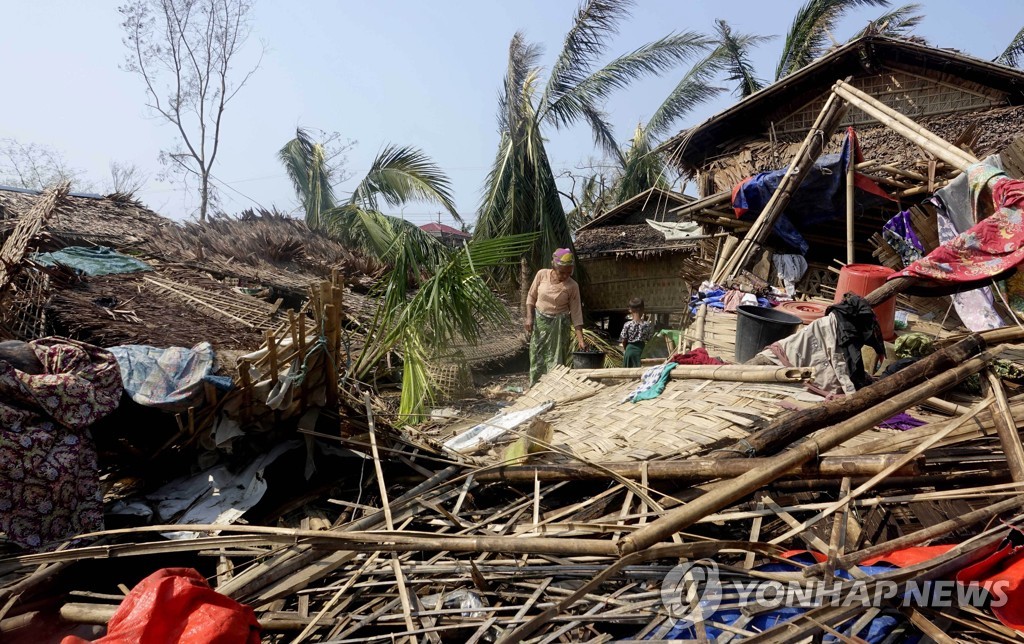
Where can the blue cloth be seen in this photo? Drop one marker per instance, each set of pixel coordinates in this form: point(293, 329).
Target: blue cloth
point(170, 379)
point(92, 261)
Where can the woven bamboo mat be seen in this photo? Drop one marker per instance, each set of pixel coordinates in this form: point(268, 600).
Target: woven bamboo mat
point(719, 334)
point(687, 416)
point(560, 385)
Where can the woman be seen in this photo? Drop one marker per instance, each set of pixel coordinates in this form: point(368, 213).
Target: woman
point(553, 302)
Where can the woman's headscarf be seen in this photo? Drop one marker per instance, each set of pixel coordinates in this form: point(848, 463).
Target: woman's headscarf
point(562, 257)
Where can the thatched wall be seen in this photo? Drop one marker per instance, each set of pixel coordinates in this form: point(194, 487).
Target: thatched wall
point(613, 280)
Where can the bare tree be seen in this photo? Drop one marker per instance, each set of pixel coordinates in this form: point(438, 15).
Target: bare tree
point(126, 178)
point(184, 50)
point(35, 166)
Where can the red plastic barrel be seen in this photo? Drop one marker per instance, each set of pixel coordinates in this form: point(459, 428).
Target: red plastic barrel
point(862, 279)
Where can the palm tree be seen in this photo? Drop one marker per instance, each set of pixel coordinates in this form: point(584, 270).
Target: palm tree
point(898, 23)
point(734, 51)
point(520, 193)
point(1011, 56)
point(812, 29)
point(642, 166)
point(452, 301)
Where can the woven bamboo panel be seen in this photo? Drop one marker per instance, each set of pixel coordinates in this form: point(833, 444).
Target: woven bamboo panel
point(613, 281)
point(719, 334)
point(688, 416)
point(560, 384)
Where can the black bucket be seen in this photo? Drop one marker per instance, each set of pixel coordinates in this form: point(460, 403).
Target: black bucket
point(588, 359)
point(757, 327)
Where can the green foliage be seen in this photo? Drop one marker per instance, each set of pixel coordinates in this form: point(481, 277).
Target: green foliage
point(812, 30)
point(1012, 55)
point(898, 23)
point(520, 192)
point(734, 50)
point(305, 161)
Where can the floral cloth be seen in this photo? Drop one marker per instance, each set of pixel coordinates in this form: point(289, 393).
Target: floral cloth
point(633, 331)
point(992, 246)
point(49, 484)
point(900, 235)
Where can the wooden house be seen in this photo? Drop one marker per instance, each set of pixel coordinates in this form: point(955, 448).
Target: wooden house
point(973, 103)
point(624, 256)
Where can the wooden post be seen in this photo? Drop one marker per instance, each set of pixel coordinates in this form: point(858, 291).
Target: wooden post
point(801, 164)
point(272, 354)
point(1002, 418)
point(851, 174)
point(714, 500)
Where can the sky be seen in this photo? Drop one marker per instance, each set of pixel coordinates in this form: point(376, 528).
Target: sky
point(407, 72)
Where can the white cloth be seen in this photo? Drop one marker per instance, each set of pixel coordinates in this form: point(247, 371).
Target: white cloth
point(674, 230)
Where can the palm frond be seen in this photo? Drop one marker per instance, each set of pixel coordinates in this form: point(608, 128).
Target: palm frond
point(811, 29)
point(305, 161)
point(693, 89)
point(650, 60)
point(643, 167)
point(401, 174)
point(523, 68)
point(898, 23)
point(734, 50)
point(1014, 52)
point(595, 23)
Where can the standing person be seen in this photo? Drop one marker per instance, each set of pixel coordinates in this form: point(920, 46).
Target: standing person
point(553, 302)
point(635, 334)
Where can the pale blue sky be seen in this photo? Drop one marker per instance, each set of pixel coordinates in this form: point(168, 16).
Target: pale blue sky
point(414, 73)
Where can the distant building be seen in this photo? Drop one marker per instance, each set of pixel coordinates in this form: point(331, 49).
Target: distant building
point(449, 236)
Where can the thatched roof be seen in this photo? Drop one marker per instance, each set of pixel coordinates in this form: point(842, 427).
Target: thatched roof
point(993, 131)
point(632, 238)
point(755, 117)
point(114, 220)
point(653, 203)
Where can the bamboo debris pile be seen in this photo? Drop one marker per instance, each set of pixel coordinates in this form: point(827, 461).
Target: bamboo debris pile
point(593, 519)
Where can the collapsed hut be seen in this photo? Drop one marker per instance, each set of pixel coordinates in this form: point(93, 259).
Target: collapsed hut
point(711, 502)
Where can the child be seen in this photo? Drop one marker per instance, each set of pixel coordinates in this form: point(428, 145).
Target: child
point(635, 334)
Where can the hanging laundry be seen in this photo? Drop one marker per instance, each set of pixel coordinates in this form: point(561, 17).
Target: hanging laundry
point(790, 269)
point(898, 233)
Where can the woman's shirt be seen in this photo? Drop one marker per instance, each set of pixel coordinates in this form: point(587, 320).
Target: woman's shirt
point(634, 331)
point(555, 298)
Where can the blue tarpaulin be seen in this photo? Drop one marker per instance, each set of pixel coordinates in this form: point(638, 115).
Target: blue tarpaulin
point(92, 261)
point(819, 199)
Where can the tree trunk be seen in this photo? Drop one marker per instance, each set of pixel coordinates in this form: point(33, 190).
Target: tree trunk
point(204, 195)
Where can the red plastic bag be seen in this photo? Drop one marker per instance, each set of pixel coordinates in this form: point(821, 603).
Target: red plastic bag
point(177, 605)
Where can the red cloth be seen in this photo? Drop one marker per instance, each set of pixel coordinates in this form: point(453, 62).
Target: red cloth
point(697, 356)
point(992, 246)
point(177, 605)
point(1001, 573)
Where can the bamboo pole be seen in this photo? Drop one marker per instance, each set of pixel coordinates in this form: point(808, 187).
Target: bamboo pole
point(802, 162)
point(850, 181)
point(904, 126)
point(730, 373)
point(696, 469)
point(786, 429)
point(1005, 426)
point(714, 500)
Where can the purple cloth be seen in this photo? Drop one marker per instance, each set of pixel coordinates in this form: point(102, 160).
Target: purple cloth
point(901, 422)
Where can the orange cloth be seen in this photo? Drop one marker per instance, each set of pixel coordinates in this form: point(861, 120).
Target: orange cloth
point(555, 298)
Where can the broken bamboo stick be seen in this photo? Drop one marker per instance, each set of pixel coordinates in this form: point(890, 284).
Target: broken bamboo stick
point(1003, 420)
point(731, 373)
point(904, 126)
point(694, 469)
point(714, 500)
